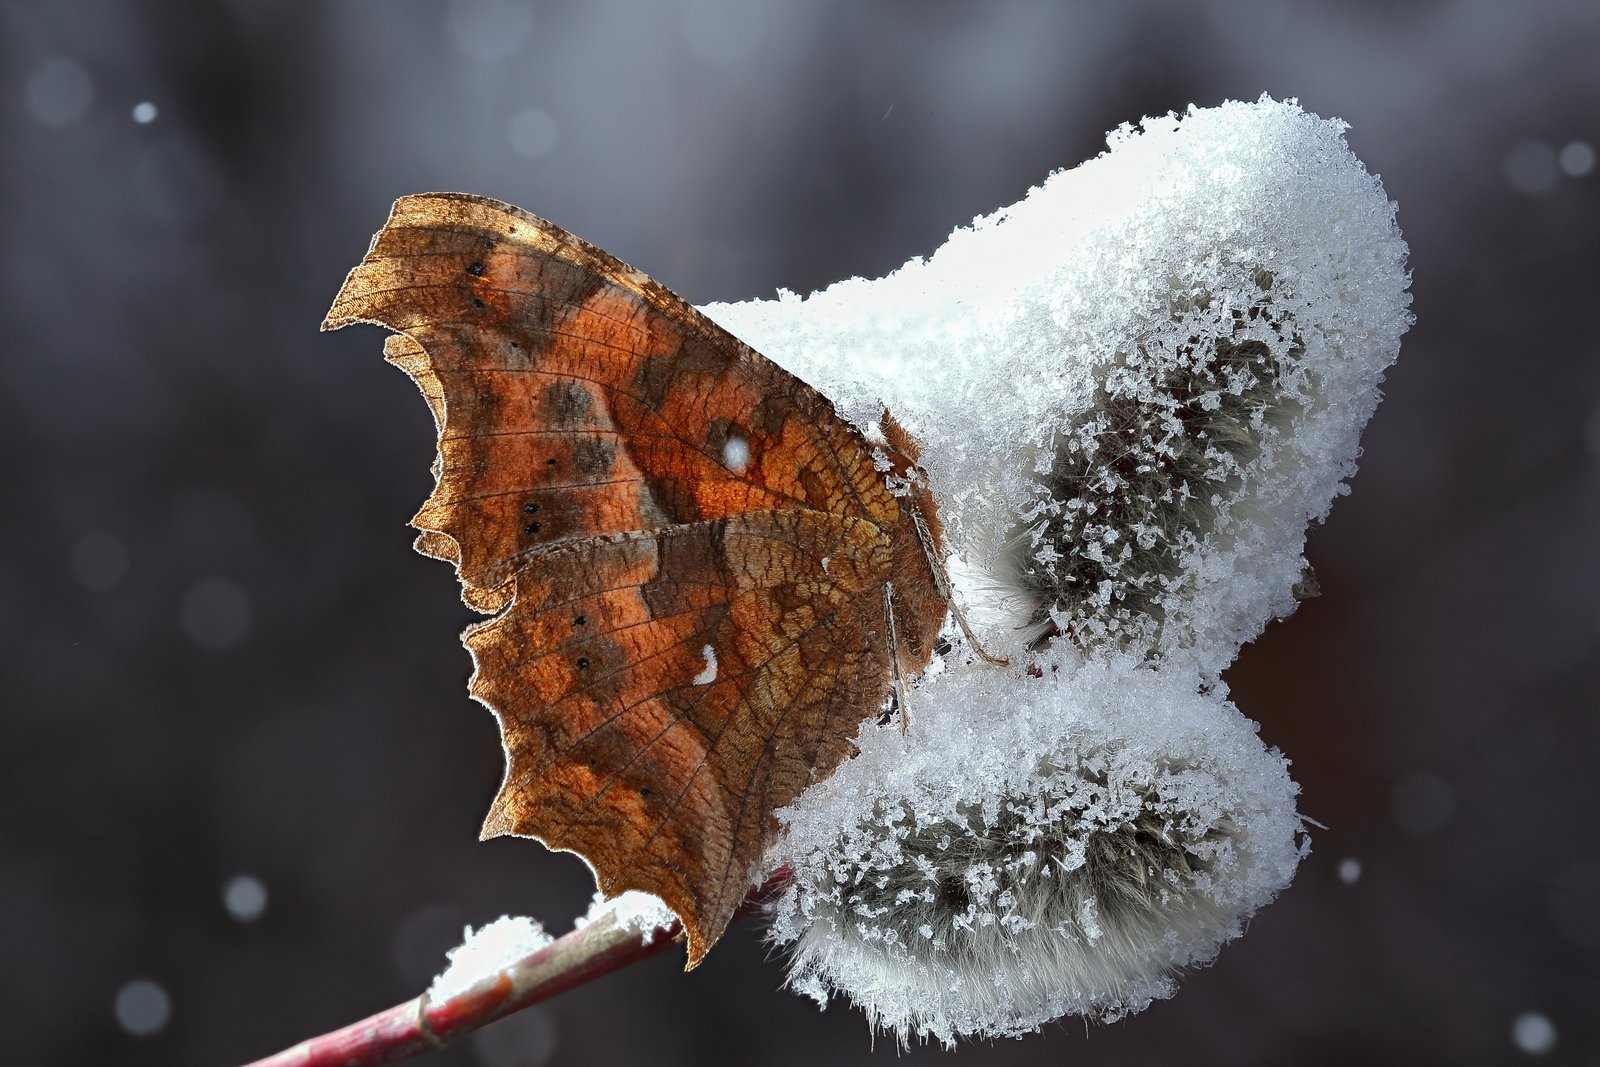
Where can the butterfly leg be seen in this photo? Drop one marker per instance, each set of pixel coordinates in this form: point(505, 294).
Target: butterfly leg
point(941, 580)
point(900, 696)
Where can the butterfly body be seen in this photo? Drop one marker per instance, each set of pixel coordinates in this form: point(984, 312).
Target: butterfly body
point(685, 549)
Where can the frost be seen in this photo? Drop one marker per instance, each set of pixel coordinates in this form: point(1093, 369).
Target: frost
point(487, 951)
point(643, 913)
point(1067, 845)
point(511, 939)
point(1134, 388)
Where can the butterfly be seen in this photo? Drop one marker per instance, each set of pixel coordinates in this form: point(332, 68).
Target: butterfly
point(701, 578)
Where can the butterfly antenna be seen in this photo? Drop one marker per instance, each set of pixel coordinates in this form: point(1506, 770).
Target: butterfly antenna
point(900, 697)
point(941, 581)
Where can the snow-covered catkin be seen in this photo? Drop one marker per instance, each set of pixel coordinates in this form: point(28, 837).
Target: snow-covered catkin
point(983, 876)
point(1136, 387)
point(1133, 390)
point(1152, 469)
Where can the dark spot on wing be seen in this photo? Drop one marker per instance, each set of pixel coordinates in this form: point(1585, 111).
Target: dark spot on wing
point(697, 357)
point(565, 404)
point(594, 457)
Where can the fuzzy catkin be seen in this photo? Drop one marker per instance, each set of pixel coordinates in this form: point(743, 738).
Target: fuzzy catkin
point(1116, 828)
point(1153, 468)
point(1135, 387)
point(1133, 390)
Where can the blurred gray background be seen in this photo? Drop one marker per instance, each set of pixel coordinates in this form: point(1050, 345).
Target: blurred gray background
point(240, 775)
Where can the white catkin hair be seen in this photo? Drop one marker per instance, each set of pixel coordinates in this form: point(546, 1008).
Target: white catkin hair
point(988, 873)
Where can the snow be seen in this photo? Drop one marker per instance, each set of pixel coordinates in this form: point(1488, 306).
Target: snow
point(510, 939)
point(487, 951)
point(1133, 390)
point(1067, 845)
point(643, 913)
point(1135, 387)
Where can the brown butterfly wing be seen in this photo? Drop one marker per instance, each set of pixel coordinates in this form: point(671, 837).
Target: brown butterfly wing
point(567, 382)
point(687, 545)
point(682, 685)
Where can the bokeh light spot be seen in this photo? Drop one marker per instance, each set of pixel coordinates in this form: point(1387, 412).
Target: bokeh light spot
point(1576, 159)
point(1575, 904)
point(245, 897)
point(99, 561)
point(174, 181)
point(1422, 802)
point(423, 938)
point(1531, 168)
point(489, 29)
point(723, 32)
point(216, 613)
point(142, 1007)
point(532, 133)
point(1533, 1033)
point(58, 92)
point(525, 1039)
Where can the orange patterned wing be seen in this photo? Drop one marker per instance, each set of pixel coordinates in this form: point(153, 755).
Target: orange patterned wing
point(686, 547)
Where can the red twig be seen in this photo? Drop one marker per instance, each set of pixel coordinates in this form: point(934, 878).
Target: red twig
point(420, 1025)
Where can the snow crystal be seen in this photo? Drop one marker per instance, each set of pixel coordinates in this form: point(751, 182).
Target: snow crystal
point(643, 913)
point(1030, 850)
point(491, 949)
point(1134, 388)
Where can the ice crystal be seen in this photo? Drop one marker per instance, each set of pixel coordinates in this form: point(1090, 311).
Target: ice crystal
point(1136, 387)
point(986, 873)
point(1133, 391)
